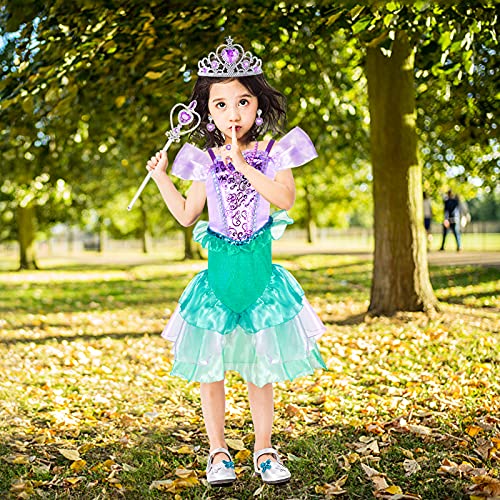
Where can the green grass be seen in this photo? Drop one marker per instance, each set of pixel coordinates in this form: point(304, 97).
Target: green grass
point(84, 368)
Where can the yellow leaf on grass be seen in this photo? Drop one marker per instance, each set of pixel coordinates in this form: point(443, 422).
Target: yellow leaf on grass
point(85, 447)
point(473, 430)
point(73, 480)
point(161, 484)
point(180, 484)
point(235, 444)
point(153, 75)
point(185, 450)
point(78, 465)
point(120, 101)
point(242, 455)
point(185, 473)
point(394, 490)
point(70, 454)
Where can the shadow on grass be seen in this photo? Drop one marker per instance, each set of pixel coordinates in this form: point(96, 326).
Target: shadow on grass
point(92, 295)
point(71, 338)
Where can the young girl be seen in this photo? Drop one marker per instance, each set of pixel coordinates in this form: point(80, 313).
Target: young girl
point(243, 313)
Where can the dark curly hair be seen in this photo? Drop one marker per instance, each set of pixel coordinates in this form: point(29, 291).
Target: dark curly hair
point(271, 102)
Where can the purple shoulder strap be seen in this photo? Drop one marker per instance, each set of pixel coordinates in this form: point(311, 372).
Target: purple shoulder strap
point(269, 146)
point(211, 153)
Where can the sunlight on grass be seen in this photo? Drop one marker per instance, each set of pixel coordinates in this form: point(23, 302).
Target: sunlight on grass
point(88, 409)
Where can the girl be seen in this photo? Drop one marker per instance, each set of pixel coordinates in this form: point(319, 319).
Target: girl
point(243, 313)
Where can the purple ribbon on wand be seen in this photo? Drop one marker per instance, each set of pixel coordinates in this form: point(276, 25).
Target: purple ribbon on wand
point(186, 115)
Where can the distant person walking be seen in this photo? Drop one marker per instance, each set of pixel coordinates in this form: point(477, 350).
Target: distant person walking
point(427, 218)
point(451, 218)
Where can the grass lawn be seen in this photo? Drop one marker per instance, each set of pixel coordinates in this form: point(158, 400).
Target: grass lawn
point(409, 408)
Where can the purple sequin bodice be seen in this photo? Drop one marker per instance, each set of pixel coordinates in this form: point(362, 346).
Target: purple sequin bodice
point(235, 208)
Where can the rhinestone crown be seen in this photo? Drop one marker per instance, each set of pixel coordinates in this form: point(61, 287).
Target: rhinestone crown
point(229, 60)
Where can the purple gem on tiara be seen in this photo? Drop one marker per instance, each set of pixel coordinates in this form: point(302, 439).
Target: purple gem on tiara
point(245, 64)
point(230, 55)
point(215, 64)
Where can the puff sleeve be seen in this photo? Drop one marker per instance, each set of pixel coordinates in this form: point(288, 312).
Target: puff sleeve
point(191, 163)
point(294, 149)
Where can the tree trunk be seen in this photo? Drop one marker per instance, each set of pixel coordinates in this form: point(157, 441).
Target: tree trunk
point(26, 237)
point(309, 216)
point(400, 275)
point(145, 238)
point(101, 235)
point(188, 243)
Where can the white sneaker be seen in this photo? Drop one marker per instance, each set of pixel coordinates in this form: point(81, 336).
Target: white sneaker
point(222, 473)
point(271, 472)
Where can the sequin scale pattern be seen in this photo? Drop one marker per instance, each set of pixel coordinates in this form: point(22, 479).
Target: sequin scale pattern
point(236, 198)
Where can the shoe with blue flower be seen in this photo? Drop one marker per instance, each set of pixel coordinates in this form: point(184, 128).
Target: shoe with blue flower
point(271, 472)
point(222, 473)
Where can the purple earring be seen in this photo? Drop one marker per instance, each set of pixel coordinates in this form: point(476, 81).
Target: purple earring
point(259, 121)
point(210, 125)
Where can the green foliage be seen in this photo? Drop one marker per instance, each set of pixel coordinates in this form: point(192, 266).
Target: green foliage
point(486, 207)
point(85, 91)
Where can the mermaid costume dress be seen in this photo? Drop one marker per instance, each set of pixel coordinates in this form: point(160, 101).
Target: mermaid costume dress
point(243, 313)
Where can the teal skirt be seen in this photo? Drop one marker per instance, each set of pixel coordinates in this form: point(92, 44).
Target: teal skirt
point(244, 313)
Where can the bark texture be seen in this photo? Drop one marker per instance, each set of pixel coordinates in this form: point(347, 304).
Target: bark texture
point(400, 276)
point(26, 237)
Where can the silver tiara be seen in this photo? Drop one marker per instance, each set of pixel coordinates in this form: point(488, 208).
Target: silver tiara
point(229, 60)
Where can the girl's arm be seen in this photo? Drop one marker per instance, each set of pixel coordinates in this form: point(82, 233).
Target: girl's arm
point(185, 210)
point(279, 192)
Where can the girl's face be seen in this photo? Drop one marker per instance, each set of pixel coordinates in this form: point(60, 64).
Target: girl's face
point(232, 104)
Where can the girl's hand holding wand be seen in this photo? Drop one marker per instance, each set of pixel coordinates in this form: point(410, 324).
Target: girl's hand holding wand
point(186, 116)
point(158, 164)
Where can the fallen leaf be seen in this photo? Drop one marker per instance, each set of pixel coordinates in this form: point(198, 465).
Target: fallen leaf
point(161, 484)
point(379, 483)
point(332, 489)
point(185, 473)
point(74, 480)
point(259, 490)
point(129, 468)
point(78, 465)
point(369, 471)
point(473, 430)
point(421, 430)
point(411, 466)
point(242, 455)
point(235, 444)
point(70, 454)
point(182, 450)
point(394, 490)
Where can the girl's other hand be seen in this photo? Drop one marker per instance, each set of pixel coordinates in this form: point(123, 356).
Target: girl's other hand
point(158, 164)
point(234, 154)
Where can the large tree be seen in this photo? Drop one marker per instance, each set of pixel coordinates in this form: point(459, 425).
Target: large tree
point(392, 33)
point(125, 66)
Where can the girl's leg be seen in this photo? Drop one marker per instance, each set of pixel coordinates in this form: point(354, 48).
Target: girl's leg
point(213, 404)
point(262, 408)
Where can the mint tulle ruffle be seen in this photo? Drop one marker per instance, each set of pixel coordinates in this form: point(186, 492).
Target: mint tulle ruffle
point(271, 337)
point(275, 354)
